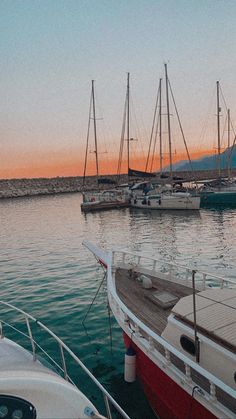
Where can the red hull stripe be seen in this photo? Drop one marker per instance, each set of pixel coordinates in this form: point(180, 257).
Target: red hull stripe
point(168, 400)
point(102, 263)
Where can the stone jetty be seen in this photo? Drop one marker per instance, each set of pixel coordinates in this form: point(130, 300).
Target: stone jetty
point(13, 188)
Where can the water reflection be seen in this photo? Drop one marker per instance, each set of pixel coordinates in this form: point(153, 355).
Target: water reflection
point(46, 270)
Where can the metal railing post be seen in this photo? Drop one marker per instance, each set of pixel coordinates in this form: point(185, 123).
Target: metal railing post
point(31, 338)
point(1, 331)
point(63, 363)
point(108, 410)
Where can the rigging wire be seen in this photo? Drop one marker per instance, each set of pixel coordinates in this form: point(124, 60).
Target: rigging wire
point(207, 119)
point(87, 140)
point(152, 130)
point(122, 138)
point(181, 128)
point(138, 133)
point(155, 142)
point(232, 127)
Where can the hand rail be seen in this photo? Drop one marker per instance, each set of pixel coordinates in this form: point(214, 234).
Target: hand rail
point(173, 264)
point(62, 347)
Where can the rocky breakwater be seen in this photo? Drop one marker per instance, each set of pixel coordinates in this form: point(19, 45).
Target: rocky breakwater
point(13, 188)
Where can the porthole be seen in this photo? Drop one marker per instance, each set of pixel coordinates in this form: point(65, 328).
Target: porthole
point(17, 414)
point(3, 411)
point(188, 345)
point(12, 407)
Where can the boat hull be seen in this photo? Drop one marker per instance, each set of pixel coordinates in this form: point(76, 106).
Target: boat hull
point(221, 199)
point(166, 203)
point(167, 398)
point(101, 206)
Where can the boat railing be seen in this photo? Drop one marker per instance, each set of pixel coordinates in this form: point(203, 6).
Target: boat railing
point(104, 196)
point(151, 341)
point(63, 349)
point(146, 263)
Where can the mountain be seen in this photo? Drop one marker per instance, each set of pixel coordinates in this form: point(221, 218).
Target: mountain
point(210, 162)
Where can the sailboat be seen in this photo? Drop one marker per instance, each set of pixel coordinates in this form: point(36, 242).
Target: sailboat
point(220, 192)
point(99, 199)
point(159, 195)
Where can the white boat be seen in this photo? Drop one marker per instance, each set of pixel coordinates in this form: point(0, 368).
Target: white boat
point(180, 324)
point(157, 193)
point(107, 199)
point(166, 201)
point(100, 199)
point(32, 388)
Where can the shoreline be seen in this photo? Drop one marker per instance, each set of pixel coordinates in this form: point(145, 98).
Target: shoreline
point(15, 188)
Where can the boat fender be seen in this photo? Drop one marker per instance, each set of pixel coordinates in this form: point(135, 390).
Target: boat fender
point(130, 365)
point(146, 282)
point(149, 202)
point(135, 201)
point(159, 201)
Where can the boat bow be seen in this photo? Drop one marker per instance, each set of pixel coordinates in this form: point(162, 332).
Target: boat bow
point(101, 255)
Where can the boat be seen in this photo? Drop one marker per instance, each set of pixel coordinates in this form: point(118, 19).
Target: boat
point(220, 192)
point(34, 383)
point(99, 199)
point(104, 200)
point(180, 325)
point(166, 200)
point(161, 195)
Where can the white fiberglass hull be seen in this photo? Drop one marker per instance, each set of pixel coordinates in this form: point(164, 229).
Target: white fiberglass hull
point(167, 202)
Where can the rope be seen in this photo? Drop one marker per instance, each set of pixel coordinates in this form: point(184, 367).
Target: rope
point(94, 298)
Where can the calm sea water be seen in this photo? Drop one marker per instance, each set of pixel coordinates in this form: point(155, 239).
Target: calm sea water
point(47, 272)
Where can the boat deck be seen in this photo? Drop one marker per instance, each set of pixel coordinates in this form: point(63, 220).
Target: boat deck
point(142, 301)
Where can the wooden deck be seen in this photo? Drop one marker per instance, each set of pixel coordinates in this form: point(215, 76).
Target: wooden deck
point(139, 300)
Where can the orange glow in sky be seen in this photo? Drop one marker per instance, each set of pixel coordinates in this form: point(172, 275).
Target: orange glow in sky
point(70, 165)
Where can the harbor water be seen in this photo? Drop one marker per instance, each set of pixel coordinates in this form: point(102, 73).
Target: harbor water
point(47, 272)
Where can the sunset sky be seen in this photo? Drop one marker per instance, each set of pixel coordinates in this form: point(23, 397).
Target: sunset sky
point(52, 49)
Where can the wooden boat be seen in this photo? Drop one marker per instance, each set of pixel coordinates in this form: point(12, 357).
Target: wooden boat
point(33, 382)
point(181, 324)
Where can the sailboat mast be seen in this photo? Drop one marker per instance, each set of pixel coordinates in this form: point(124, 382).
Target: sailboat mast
point(128, 120)
point(168, 120)
point(160, 126)
point(228, 120)
point(218, 126)
point(95, 130)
